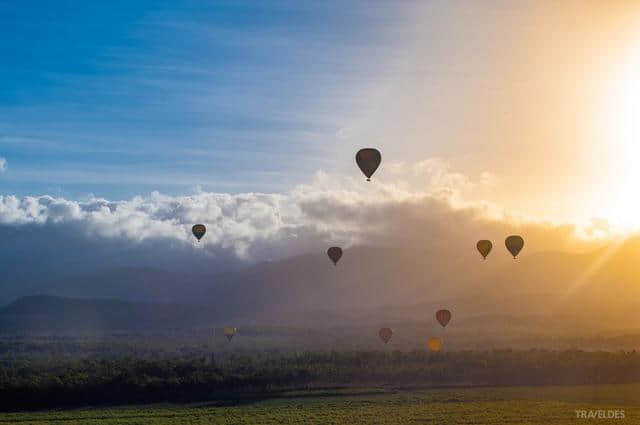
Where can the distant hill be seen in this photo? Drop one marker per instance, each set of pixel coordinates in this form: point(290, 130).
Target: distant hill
point(45, 312)
point(599, 290)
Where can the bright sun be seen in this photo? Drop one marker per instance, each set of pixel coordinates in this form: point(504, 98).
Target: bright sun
point(621, 203)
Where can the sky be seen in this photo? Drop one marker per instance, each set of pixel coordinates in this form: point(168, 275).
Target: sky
point(120, 99)
point(130, 121)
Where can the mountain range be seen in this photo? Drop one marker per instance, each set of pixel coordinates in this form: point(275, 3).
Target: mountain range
point(594, 292)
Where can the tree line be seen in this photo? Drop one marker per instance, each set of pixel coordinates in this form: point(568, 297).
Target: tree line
point(57, 383)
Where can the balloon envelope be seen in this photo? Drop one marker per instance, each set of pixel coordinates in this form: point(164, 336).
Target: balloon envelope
point(334, 253)
point(484, 247)
point(198, 231)
point(514, 244)
point(435, 344)
point(368, 160)
point(229, 332)
point(385, 334)
point(443, 317)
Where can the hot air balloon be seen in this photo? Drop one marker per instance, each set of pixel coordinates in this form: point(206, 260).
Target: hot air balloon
point(484, 247)
point(443, 317)
point(514, 244)
point(198, 231)
point(229, 332)
point(334, 253)
point(385, 334)
point(368, 160)
point(435, 344)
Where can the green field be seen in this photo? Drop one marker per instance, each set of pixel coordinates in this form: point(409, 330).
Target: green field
point(513, 405)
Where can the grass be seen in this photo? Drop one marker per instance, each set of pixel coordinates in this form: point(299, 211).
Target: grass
point(499, 406)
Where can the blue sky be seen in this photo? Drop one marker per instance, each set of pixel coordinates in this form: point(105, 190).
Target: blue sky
point(120, 98)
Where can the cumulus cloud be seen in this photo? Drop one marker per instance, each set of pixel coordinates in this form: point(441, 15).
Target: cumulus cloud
point(3, 164)
point(97, 247)
point(264, 226)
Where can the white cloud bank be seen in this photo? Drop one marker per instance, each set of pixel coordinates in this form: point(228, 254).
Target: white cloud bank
point(259, 226)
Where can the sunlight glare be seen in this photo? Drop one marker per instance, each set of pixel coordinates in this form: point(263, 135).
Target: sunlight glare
point(622, 203)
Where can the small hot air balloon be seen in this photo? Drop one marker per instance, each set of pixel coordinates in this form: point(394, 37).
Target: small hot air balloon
point(484, 247)
point(229, 332)
point(334, 253)
point(514, 244)
point(443, 317)
point(385, 334)
point(435, 344)
point(198, 231)
point(368, 160)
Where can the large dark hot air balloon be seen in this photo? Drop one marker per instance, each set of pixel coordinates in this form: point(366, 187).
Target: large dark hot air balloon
point(198, 231)
point(514, 244)
point(484, 247)
point(368, 160)
point(435, 344)
point(229, 332)
point(334, 253)
point(443, 317)
point(385, 334)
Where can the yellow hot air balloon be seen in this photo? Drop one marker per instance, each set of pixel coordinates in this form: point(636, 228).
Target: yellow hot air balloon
point(198, 231)
point(335, 253)
point(368, 159)
point(435, 344)
point(484, 247)
point(385, 334)
point(229, 332)
point(514, 244)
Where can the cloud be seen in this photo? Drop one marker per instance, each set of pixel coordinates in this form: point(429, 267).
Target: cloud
point(44, 240)
point(50, 235)
point(3, 164)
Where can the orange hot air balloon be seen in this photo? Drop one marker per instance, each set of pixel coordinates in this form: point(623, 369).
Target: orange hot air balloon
point(368, 160)
point(443, 317)
point(229, 332)
point(484, 247)
point(514, 244)
point(335, 253)
point(435, 344)
point(198, 231)
point(385, 334)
